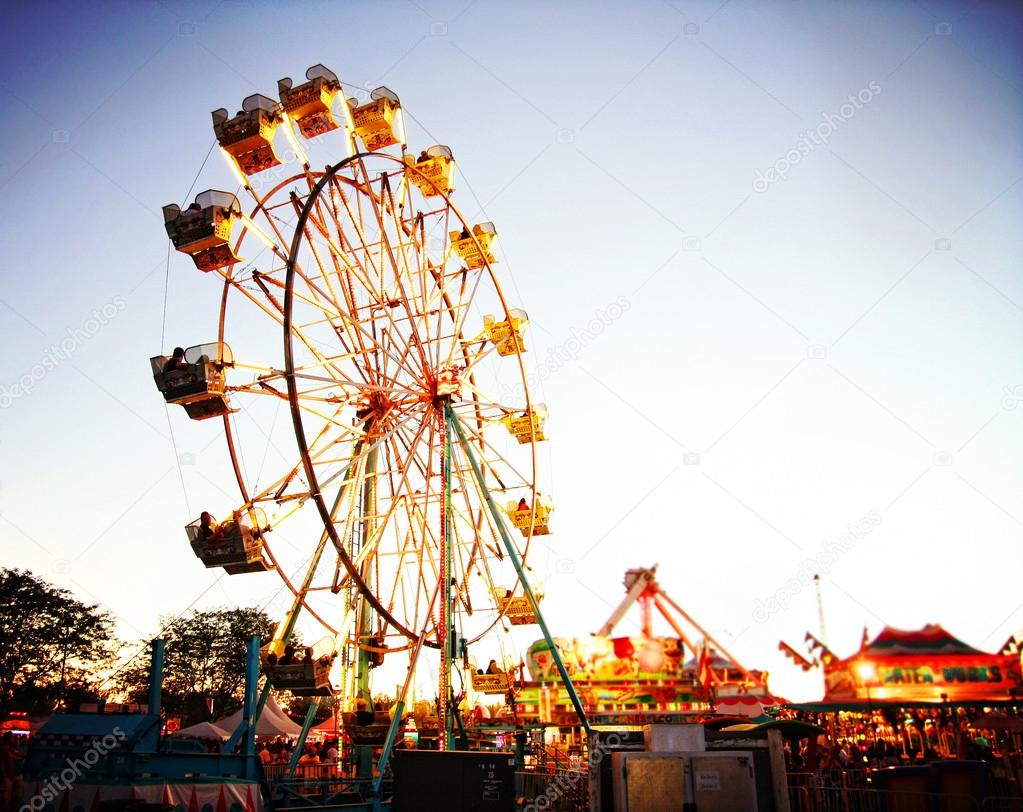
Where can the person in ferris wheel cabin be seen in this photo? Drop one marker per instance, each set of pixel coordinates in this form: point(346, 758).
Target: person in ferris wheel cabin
point(523, 504)
point(176, 361)
point(492, 668)
point(208, 526)
point(363, 715)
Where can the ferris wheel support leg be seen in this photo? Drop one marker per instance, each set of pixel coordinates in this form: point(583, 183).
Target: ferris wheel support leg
point(287, 625)
point(364, 629)
point(453, 422)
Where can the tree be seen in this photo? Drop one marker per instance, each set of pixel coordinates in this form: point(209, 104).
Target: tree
point(51, 644)
point(204, 663)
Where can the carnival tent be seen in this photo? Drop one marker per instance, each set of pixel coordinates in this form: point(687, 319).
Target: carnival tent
point(749, 705)
point(272, 721)
point(326, 729)
point(926, 665)
point(203, 730)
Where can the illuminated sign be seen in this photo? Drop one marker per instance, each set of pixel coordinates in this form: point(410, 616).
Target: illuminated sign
point(924, 678)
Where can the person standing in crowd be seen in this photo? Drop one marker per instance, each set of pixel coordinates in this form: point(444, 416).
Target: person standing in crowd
point(6, 772)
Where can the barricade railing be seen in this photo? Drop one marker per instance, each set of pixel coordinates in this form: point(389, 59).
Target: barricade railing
point(556, 790)
point(850, 791)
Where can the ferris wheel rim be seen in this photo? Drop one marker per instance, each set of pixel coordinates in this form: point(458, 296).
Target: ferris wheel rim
point(299, 236)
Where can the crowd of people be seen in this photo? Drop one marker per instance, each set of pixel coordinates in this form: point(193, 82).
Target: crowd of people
point(856, 743)
point(281, 750)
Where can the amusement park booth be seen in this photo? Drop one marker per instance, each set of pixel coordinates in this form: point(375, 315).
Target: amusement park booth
point(926, 665)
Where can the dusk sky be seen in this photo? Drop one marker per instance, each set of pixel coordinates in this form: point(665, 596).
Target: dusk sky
point(806, 217)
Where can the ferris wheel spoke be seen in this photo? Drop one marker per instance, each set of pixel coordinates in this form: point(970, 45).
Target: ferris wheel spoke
point(275, 491)
point(384, 525)
point(401, 416)
point(393, 390)
point(442, 282)
point(402, 289)
point(335, 313)
point(356, 220)
point(338, 256)
point(484, 445)
point(495, 549)
point(481, 403)
point(470, 485)
point(481, 354)
point(277, 315)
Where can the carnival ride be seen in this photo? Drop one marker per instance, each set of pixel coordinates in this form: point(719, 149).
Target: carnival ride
point(386, 509)
point(640, 678)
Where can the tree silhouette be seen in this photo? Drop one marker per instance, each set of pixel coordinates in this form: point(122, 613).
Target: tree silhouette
point(51, 644)
point(204, 663)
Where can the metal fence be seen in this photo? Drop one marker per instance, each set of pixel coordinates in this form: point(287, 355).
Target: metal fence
point(851, 791)
point(555, 790)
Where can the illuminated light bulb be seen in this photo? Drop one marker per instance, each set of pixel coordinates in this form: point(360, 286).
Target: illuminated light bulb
point(261, 235)
point(289, 134)
point(235, 169)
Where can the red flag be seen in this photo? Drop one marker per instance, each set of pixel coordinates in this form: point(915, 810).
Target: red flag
point(193, 802)
point(167, 797)
point(95, 802)
point(221, 801)
point(704, 671)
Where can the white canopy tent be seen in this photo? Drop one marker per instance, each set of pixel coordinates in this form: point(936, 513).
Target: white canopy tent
point(272, 721)
point(203, 730)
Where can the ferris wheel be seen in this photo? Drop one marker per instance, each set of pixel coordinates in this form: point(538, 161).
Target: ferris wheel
point(368, 359)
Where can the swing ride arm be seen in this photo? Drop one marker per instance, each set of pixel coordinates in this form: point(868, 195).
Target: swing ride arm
point(644, 579)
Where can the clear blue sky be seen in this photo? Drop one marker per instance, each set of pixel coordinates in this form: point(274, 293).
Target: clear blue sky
point(797, 354)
